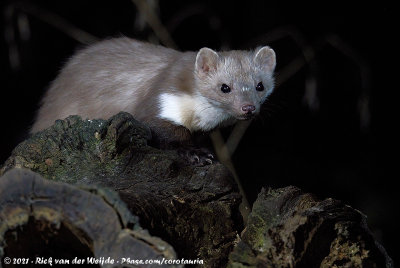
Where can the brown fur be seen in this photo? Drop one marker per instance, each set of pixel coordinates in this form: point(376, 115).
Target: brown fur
point(175, 93)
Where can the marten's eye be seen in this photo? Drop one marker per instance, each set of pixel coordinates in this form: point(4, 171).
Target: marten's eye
point(225, 88)
point(260, 87)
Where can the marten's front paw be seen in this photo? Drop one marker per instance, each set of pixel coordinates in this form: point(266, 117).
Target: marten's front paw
point(197, 156)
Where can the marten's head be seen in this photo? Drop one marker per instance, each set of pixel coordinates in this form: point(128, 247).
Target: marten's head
point(236, 81)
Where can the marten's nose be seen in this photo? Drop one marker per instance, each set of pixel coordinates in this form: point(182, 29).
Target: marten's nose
point(248, 108)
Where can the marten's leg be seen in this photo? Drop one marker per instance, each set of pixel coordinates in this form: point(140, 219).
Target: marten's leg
point(169, 136)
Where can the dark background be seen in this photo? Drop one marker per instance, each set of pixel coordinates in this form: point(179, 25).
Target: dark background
point(329, 128)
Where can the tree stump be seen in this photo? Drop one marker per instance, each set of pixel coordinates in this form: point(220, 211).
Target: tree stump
point(288, 228)
point(41, 219)
point(195, 209)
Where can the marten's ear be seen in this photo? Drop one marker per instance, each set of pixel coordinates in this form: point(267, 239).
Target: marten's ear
point(206, 61)
point(265, 59)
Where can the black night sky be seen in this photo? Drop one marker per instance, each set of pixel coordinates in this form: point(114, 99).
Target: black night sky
point(330, 126)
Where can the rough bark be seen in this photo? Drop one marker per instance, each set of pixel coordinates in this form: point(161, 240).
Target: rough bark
point(41, 219)
point(195, 209)
point(288, 228)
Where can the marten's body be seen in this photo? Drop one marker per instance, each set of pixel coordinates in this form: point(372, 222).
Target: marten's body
point(175, 93)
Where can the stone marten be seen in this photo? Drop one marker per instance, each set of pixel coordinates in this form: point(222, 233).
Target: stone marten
point(174, 93)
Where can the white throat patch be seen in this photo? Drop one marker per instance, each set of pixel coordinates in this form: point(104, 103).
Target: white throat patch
point(191, 111)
